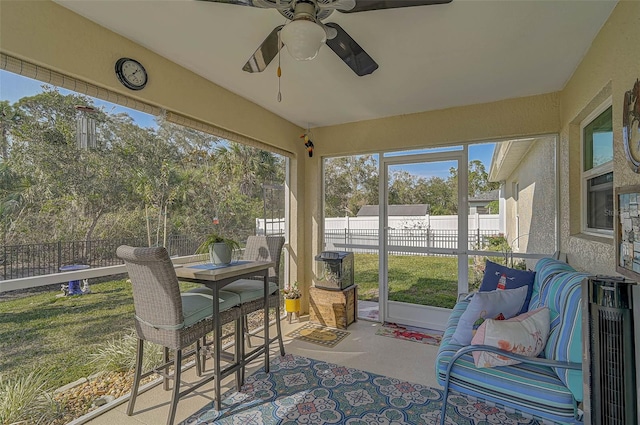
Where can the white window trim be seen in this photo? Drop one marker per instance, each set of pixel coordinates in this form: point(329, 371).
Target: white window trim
point(596, 171)
point(516, 210)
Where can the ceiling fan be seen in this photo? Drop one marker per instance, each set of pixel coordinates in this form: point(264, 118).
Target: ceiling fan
point(305, 32)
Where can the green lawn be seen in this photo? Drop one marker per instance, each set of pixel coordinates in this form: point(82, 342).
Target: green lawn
point(43, 330)
point(62, 332)
point(414, 279)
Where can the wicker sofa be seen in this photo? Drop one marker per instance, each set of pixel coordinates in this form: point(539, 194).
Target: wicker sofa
point(537, 386)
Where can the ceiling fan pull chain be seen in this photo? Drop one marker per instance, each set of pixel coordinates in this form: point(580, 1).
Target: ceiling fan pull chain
point(279, 69)
point(279, 75)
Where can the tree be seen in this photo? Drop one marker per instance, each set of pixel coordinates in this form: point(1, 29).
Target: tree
point(9, 119)
point(230, 180)
point(401, 188)
point(493, 207)
point(153, 174)
point(440, 194)
point(350, 183)
point(139, 180)
point(478, 178)
point(70, 189)
point(12, 188)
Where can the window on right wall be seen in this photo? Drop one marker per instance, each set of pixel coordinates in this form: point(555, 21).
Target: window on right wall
point(597, 171)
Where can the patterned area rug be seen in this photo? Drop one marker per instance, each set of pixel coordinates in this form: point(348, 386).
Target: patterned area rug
point(316, 334)
point(410, 334)
point(299, 390)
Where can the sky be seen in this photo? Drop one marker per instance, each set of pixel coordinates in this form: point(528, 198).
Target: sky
point(14, 87)
point(482, 152)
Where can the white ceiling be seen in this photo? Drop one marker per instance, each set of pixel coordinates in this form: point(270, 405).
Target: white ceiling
point(430, 57)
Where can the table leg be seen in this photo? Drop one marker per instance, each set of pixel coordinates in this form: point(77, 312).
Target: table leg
point(239, 352)
point(355, 304)
point(266, 321)
point(217, 345)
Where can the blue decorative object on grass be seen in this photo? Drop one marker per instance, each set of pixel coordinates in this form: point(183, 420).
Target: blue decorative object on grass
point(513, 278)
point(301, 390)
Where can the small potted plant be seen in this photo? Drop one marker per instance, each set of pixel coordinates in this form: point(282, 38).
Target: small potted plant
point(220, 249)
point(292, 300)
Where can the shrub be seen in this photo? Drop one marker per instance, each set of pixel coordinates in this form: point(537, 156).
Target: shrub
point(119, 355)
point(28, 399)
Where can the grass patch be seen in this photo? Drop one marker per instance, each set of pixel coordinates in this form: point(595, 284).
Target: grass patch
point(414, 279)
point(64, 332)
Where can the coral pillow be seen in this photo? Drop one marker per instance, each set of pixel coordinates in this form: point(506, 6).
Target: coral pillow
point(525, 334)
point(487, 305)
point(513, 278)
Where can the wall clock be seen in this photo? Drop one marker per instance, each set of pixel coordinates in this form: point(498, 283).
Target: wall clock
point(631, 126)
point(131, 73)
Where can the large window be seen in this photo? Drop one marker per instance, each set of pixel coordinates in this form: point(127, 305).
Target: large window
point(597, 171)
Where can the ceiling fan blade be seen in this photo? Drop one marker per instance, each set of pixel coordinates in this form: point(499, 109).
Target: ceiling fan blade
point(338, 4)
point(331, 32)
point(366, 5)
point(263, 56)
point(264, 4)
point(350, 52)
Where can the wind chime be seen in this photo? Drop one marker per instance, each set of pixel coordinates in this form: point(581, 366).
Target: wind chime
point(85, 127)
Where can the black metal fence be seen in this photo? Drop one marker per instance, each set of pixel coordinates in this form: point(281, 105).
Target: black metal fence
point(46, 258)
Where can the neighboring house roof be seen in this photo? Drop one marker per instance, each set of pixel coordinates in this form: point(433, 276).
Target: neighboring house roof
point(486, 197)
point(395, 210)
point(507, 157)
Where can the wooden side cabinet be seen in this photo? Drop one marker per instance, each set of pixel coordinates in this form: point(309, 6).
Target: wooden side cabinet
point(336, 309)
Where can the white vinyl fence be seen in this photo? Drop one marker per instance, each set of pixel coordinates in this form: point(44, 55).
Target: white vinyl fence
point(434, 222)
point(360, 234)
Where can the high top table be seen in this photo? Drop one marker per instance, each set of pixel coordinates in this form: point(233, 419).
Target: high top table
point(217, 277)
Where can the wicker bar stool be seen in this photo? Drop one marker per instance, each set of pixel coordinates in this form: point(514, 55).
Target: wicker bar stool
point(260, 248)
point(173, 320)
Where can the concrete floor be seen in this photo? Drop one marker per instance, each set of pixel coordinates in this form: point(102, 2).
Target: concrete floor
point(362, 349)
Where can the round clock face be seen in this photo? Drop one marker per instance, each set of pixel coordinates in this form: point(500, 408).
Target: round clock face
point(131, 73)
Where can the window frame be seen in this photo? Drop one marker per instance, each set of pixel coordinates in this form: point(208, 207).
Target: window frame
point(516, 211)
point(597, 171)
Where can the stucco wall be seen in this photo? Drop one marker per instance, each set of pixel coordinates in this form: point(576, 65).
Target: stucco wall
point(609, 68)
point(536, 177)
point(533, 115)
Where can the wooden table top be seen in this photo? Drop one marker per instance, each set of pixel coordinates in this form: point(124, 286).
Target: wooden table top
point(203, 270)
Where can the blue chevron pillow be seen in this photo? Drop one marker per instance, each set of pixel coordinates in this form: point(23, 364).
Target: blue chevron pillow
point(513, 278)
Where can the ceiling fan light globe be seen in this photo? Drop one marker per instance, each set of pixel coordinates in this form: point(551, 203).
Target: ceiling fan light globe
point(303, 39)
